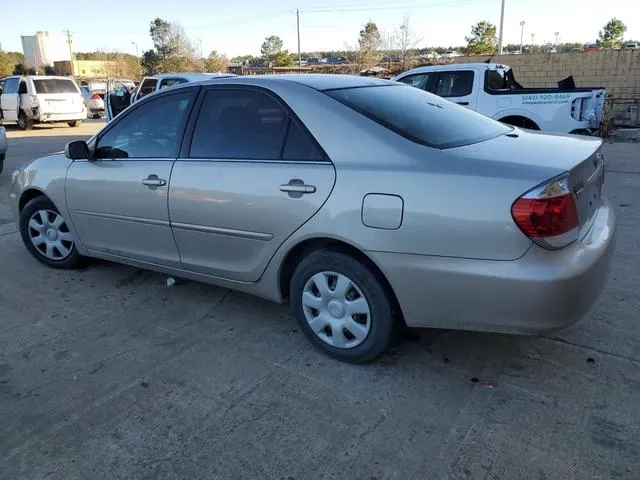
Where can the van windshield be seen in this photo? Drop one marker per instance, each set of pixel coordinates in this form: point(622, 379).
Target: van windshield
point(54, 85)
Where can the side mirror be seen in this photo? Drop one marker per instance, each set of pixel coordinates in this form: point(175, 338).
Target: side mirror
point(78, 150)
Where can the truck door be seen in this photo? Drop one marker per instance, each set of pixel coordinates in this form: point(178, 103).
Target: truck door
point(457, 86)
point(10, 100)
point(116, 98)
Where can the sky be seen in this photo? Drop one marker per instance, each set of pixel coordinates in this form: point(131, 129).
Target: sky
point(237, 27)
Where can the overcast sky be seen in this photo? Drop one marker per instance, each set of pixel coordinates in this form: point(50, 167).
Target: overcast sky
point(236, 27)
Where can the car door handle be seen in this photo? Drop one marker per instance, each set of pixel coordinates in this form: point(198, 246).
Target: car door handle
point(462, 103)
point(298, 188)
point(152, 181)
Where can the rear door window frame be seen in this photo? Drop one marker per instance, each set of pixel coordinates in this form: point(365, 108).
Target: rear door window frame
point(195, 113)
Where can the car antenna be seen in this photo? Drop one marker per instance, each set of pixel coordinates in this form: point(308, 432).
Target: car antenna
point(488, 60)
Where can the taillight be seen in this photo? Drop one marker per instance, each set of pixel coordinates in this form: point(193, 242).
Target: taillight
point(548, 214)
point(95, 97)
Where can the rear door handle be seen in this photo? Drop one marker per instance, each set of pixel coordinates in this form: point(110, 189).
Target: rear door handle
point(153, 182)
point(296, 188)
point(462, 103)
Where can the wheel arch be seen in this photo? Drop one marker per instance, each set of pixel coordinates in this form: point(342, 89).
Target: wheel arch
point(28, 195)
point(308, 246)
point(520, 121)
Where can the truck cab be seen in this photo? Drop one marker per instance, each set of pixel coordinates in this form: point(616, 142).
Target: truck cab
point(491, 89)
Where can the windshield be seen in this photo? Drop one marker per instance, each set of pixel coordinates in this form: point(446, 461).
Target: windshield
point(54, 85)
point(420, 116)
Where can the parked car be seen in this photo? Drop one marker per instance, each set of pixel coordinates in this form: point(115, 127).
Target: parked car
point(28, 100)
point(3, 145)
point(492, 90)
point(436, 216)
point(593, 47)
point(94, 101)
point(631, 46)
point(121, 95)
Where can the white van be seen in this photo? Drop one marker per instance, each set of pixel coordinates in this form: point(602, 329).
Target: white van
point(42, 99)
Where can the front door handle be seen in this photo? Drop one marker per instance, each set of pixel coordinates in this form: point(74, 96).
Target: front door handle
point(296, 188)
point(462, 103)
point(153, 182)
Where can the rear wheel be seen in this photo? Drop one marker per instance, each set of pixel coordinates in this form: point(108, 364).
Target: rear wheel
point(24, 123)
point(342, 307)
point(73, 123)
point(521, 122)
point(46, 235)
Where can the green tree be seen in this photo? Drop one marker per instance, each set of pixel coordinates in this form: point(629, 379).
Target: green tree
point(482, 40)
point(150, 62)
point(216, 63)
point(369, 43)
point(162, 38)
point(270, 47)
point(283, 59)
point(612, 34)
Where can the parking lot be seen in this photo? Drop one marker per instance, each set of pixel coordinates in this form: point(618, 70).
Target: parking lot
point(108, 373)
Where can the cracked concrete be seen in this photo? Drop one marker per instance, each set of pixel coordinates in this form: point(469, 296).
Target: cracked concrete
point(108, 373)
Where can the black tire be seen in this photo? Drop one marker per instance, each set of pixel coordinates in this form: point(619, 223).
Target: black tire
point(24, 123)
point(73, 260)
point(383, 324)
point(73, 123)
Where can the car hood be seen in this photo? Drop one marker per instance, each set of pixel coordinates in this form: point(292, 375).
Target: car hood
point(528, 148)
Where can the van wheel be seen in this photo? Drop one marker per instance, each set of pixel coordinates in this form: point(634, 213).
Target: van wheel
point(342, 307)
point(24, 123)
point(73, 123)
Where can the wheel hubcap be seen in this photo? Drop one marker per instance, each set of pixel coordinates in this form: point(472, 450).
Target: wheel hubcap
point(336, 310)
point(50, 235)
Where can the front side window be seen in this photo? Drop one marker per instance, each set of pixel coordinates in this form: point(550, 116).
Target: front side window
point(10, 85)
point(455, 84)
point(54, 85)
point(420, 116)
point(419, 80)
point(153, 130)
point(239, 124)
point(148, 86)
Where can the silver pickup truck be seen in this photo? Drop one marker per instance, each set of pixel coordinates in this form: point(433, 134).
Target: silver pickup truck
point(491, 89)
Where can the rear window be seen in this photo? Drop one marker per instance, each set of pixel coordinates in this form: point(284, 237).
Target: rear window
point(54, 85)
point(420, 116)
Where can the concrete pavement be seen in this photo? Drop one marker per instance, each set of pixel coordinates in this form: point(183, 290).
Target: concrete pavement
point(108, 373)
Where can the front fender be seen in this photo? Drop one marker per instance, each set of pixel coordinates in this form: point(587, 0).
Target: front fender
point(46, 175)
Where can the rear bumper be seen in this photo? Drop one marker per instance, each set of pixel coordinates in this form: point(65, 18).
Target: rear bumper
point(542, 291)
point(61, 117)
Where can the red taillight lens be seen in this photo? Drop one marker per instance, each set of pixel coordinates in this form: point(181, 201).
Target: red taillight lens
point(548, 214)
point(545, 217)
point(95, 97)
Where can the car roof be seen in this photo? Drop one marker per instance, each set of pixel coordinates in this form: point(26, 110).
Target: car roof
point(317, 81)
point(194, 76)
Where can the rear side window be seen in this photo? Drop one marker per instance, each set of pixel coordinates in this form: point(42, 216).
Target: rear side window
point(299, 146)
point(10, 85)
point(239, 124)
point(54, 85)
point(454, 84)
point(420, 116)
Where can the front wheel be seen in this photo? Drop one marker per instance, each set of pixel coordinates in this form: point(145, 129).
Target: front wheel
point(24, 123)
point(46, 235)
point(73, 123)
point(342, 307)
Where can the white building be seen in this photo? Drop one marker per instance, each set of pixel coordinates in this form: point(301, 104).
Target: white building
point(44, 48)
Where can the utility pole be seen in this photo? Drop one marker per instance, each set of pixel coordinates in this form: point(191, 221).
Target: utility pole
point(298, 26)
point(501, 26)
point(73, 73)
point(557, 33)
point(533, 37)
point(521, 34)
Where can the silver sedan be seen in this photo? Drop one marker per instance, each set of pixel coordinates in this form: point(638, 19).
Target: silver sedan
point(368, 205)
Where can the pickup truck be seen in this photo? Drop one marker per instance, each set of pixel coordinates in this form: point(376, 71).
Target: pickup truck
point(491, 89)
